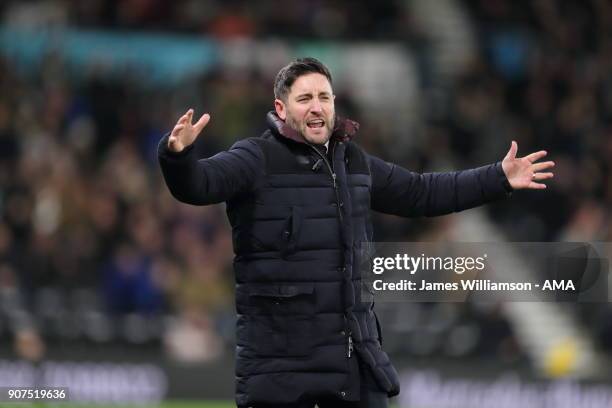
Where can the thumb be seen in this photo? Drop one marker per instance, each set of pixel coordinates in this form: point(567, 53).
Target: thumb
point(512, 152)
point(201, 123)
point(174, 144)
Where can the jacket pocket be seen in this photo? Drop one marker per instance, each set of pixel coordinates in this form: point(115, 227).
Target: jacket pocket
point(291, 231)
point(281, 319)
point(277, 234)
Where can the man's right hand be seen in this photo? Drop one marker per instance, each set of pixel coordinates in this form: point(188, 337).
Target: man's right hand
point(184, 132)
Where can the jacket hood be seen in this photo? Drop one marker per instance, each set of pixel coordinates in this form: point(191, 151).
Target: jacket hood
point(344, 129)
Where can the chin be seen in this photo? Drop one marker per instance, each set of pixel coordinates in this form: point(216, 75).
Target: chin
point(317, 139)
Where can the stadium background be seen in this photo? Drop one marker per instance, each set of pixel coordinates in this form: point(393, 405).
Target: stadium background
point(110, 285)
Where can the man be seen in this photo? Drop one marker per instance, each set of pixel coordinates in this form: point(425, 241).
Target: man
point(298, 200)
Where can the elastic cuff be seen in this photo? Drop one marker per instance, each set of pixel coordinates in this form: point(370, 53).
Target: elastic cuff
point(503, 179)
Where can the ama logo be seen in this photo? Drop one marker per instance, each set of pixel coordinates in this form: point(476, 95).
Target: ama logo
point(558, 285)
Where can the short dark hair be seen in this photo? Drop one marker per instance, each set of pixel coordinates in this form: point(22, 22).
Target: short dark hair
point(295, 69)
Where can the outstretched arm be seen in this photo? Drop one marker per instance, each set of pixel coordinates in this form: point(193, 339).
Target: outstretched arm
point(212, 180)
point(398, 191)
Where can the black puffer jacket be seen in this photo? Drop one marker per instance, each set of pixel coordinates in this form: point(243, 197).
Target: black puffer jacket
point(298, 220)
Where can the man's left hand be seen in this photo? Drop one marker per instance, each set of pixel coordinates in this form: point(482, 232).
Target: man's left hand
point(524, 172)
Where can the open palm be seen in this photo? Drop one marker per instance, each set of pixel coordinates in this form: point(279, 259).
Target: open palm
point(184, 132)
point(524, 172)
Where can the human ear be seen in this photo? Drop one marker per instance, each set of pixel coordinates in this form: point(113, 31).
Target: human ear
point(281, 109)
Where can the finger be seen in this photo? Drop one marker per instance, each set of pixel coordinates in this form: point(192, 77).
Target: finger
point(190, 113)
point(536, 186)
point(201, 123)
point(183, 119)
point(536, 156)
point(543, 176)
point(542, 166)
point(177, 129)
point(512, 152)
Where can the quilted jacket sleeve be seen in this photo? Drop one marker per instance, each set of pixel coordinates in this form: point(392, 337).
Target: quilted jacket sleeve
point(214, 179)
point(398, 191)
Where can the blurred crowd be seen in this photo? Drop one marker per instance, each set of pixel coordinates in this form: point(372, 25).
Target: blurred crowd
point(94, 248)
point(544, 78)
point(343, 19)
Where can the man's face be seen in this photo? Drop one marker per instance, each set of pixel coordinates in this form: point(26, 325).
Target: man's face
point(309, 108)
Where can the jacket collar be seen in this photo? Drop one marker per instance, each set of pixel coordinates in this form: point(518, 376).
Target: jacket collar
point(344, 129)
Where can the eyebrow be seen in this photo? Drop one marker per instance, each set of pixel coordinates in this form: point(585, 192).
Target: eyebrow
point(310, 94)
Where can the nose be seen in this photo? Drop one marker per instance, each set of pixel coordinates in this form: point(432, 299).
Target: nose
point(316, 106)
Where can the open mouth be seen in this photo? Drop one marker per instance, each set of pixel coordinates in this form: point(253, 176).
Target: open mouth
point(315, 123)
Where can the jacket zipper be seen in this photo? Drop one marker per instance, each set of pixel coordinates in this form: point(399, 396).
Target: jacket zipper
point(332, 173)
point(349, 338)
point(349, 351)
point(329, 166)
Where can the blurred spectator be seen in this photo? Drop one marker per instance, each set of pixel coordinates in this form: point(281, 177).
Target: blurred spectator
point(128, 284)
